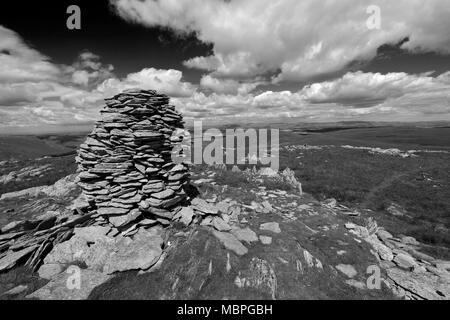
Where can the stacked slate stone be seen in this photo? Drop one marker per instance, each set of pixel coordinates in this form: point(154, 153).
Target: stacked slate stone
point(126, 169)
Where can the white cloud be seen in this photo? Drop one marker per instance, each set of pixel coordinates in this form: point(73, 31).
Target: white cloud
point(12, 94)
point(88, 71)
point(285, 99)
point(444, 78)
point(360, 89)
point(357, 95)
point(360, 86)
point(43, 112)
point(165, 81)
point(20, 63)
point(81, 77)
point(34, 90)
point(239, 65)
point(301, 38)
point(229, 86)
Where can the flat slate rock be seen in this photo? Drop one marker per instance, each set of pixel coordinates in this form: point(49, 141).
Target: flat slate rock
point(220, 224)
point(405, 261)
point(101, 253)
point(11, 258)
point(246, 234)
point(423, 285)
point(140, 253)
point(265, 240)
point(74, 284)
point(231, 242)
point(270, 226)
point(185, 215)
point(203, 206)
point(89, 245)
point(347, 269)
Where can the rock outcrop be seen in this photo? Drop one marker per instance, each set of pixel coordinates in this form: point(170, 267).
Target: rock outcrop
point(411, 274)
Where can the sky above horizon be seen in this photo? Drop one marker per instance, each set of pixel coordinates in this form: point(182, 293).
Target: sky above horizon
point(376, 60)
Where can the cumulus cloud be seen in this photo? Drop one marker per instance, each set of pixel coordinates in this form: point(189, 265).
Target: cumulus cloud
point(366, 89)
point(43, 112)
point(254, 41)
point(237, 65)
point(88, 70)
point(165, 81)
point(35, 90)
point(293, 39)
point(20, 63)
point(393, 96)
point(228, 86)
point(13, 94)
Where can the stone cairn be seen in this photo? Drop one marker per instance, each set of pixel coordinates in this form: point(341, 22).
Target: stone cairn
point(131, 189)
point(126, 169)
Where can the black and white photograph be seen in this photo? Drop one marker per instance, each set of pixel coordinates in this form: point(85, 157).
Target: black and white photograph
point(223, 156)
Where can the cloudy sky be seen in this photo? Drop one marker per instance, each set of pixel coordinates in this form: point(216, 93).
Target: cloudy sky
point(228, 60)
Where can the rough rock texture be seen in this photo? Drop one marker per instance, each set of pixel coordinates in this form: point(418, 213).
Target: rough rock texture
point(270, 226)
point(89, 245)
point(411, 274)
point(265, 240)
point(421, 286)
point(140, 253)
point(318, 254)
point(62, 287)
point(347, 269)
point(231, 242)
point(201, 266)
point(92, 247)
point(200, 262)
point(125, 163)
point(246, 234)
point(130, 189)
point(12, 258)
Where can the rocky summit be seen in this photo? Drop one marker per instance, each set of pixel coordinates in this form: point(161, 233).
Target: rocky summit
point(126, 171)
point(132, 224)
point(130, 191)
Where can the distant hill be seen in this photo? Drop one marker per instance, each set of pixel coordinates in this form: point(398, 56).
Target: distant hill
point(30, 147)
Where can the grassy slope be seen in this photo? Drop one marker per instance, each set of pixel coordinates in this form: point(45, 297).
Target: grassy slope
point(28, 150)
point(384, 137)
point(31, 147)
point(420, 185)
point(60, 167)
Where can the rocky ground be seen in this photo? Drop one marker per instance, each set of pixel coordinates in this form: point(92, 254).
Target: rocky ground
point(24, 174)
point(264, 239)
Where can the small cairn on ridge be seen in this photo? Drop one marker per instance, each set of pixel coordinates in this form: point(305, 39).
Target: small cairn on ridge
point(127, 173)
